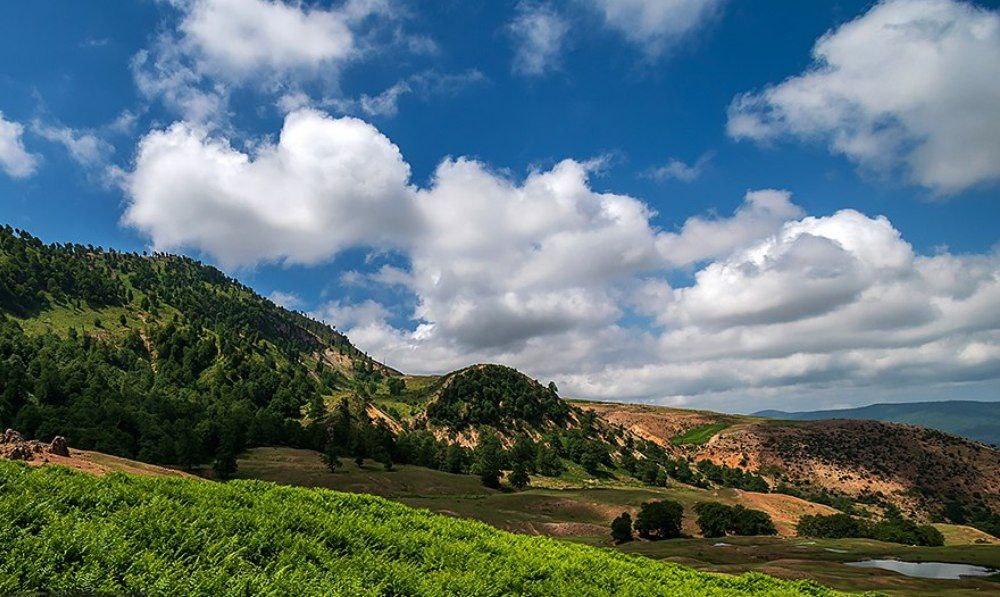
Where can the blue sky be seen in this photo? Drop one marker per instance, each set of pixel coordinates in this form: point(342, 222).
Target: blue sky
point(642, 96)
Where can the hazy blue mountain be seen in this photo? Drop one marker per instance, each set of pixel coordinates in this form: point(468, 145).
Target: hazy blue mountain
point(976, 420)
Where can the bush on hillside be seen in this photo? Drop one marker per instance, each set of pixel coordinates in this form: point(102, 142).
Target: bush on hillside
point(621, 528)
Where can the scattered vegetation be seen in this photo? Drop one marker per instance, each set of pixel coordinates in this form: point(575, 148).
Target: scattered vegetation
point(732, 477)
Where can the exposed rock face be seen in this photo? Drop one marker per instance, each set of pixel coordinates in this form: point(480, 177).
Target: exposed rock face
point(59, 447)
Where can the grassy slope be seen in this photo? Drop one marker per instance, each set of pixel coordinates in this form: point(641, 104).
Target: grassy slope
point(581, 509)
point(582, 514)
point(62, 530)
point(698, 435)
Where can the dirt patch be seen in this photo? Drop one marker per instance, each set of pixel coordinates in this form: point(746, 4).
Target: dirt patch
point(569, 529)
point(784, 510)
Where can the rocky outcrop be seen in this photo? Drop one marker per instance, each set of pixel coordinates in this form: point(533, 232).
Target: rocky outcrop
point(13, 446)
point(59, 447)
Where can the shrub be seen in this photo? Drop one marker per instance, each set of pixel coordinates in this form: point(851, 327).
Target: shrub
point(621, 528)
point(489, 460)
point(831, 526)
point(519, 478)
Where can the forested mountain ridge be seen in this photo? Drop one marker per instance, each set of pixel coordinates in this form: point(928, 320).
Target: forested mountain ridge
point(157, 357)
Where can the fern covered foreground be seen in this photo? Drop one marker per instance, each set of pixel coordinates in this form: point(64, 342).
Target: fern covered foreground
point(66, 531)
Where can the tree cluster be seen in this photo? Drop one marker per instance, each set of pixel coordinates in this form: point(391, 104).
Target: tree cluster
point(893, 528)
point(720, 520)
point(659, 520)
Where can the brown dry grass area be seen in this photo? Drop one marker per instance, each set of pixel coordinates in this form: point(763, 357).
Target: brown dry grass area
point(653, 423)
point(785, 510)
point(858, 457)
point(957, 534)
point(567, 529)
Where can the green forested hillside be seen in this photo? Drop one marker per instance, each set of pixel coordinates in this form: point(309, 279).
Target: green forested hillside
point(156, 357)
point(63, 531)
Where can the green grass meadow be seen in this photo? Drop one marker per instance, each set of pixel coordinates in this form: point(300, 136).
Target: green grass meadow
point(63, 531)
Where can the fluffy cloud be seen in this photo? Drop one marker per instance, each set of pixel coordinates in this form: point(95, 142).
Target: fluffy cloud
point(839, 301)
point(367, 312)
point(547, 274)
point(655, 24)
point(911, 84)
point(288, 300)
point(760, 215)
point(239, 38)
point(539, 33)
point(325, 185)
point(500, 262)
point(15, 160)
point(221, 44)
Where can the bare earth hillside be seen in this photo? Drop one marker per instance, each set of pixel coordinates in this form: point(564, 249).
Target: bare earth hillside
point(914, 468)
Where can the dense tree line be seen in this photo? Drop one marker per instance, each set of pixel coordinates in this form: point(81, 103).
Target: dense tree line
point(893, 528)
point(976, 515)
point(185, 405)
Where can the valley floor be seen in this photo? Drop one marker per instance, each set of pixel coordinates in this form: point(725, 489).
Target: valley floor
point(583, 514)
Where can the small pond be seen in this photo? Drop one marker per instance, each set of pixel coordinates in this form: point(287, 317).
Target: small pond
point(940, 570)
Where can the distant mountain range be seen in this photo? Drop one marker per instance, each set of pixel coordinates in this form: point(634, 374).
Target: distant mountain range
point(975, 420)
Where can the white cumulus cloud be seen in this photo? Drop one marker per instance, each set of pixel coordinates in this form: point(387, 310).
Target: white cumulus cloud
point(545, 273)
point(15, 159)
point(911, 85)
point(218, 45)
point(325, 185)
point(655, 25)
